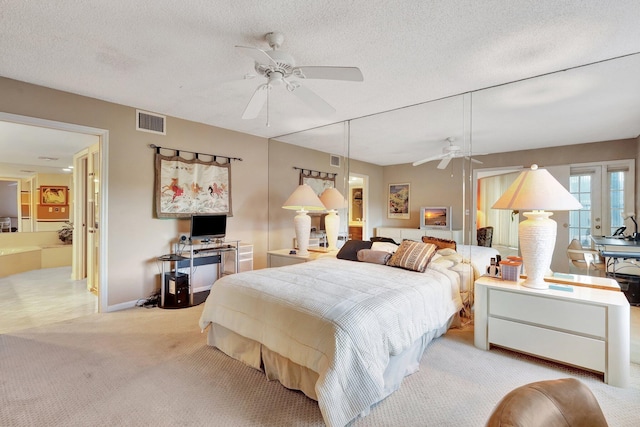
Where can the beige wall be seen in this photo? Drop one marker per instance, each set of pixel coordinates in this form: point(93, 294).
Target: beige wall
point(135, 238)
point(283, 180)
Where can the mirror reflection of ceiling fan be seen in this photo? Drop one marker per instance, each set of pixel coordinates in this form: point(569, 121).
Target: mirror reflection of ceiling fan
point(449, 152)
point(278, 67)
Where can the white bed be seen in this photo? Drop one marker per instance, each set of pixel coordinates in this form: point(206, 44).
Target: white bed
point(470, 262)
point(343, 332)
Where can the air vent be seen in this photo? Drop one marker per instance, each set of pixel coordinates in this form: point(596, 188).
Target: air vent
point(150, 122)
point(334, 160)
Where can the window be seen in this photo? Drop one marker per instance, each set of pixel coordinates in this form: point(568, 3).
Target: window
point(606, 191)
point(616, 195)
point(580, 185)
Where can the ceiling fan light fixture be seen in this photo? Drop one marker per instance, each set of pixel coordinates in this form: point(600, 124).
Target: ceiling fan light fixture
point(277, 66)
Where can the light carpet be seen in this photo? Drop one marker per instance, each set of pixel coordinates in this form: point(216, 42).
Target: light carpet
point(144, 367)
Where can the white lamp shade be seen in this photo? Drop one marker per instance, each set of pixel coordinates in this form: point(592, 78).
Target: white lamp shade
point(537, 190)
point(303, 198)
point(332, 200)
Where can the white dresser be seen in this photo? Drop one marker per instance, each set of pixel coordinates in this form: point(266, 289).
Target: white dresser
point(583, 327)
point(399, 234)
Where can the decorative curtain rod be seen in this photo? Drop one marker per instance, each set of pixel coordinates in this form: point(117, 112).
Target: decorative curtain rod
point(215, 156)
point(319, 174)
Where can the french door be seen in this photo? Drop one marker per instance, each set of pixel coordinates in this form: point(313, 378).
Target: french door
point(606, 191)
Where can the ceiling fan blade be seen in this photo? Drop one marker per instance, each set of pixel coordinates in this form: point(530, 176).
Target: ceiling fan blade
point(474, 160)
point(429, 159)
point(258, 55)
point(444, 162)
point(312, 100)
point(330, 73)
point(256, 102)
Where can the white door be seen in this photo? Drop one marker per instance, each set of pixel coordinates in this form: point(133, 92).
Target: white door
point(586, 186)
point(93, 219)
point(79, 269)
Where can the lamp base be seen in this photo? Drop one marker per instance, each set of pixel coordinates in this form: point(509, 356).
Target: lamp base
point(537, 241)
point(302, 225)
point(332, 225)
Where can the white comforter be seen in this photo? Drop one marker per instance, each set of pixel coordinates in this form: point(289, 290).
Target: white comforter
point(341, 319)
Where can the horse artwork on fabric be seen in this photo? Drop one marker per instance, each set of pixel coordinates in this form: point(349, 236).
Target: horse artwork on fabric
point(186, 187)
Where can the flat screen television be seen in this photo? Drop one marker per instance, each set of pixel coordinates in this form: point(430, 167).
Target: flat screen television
point(207, 227)
point(435, 217)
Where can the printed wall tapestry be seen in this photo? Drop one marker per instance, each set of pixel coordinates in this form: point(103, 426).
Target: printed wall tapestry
point(185, 187)
point(318, 181)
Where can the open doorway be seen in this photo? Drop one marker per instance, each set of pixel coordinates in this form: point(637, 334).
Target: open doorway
point(358, 200)
point(89, 137)
point(10, 215)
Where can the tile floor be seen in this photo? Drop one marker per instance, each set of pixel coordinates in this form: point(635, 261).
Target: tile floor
point(42, 297)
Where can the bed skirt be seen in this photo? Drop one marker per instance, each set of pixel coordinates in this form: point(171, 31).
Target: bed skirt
point(297, 377)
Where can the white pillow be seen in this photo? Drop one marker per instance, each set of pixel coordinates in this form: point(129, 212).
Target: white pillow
point(447, 251)
point(384, 246)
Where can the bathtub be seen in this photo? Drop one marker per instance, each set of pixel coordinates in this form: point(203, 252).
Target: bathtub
point(14, 260)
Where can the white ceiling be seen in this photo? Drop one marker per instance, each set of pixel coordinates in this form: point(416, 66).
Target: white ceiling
point(178, 59)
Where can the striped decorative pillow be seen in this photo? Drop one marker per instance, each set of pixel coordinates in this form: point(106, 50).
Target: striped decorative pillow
point(413, 256)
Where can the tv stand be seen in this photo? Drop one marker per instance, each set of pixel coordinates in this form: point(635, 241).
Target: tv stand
point(187, 256)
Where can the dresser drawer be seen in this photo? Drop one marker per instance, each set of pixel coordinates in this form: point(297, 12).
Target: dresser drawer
point(560, 346)
point(578, 318)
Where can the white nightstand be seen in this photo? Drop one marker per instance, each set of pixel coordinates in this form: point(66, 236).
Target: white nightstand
point(584, 327)
point(281, 257)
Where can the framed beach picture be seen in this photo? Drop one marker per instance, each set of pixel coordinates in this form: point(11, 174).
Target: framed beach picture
point(398, 206)
point(53, 195)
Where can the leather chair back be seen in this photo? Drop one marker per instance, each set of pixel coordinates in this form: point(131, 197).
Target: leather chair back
point(565, 402)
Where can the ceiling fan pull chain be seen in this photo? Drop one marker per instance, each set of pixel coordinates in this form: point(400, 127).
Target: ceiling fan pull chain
point(268, 88)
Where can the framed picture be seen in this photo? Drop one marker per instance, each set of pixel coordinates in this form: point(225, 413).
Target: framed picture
point(53, 195)
point(187, 187)
point(398, 201)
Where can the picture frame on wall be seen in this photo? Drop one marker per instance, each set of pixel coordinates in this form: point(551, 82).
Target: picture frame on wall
point(53, 195)
point(398, 201)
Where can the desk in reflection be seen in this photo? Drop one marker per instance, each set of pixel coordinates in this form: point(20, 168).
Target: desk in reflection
point(620, 254)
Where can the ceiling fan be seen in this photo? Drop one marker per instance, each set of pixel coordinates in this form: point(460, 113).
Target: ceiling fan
point(278, 67)
point(449, 152)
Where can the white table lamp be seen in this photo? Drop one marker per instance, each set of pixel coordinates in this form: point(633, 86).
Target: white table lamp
point(332, 200)
point(536, 190)
point(302, 200)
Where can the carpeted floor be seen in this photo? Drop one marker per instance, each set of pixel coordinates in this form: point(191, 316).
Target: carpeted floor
point(142, 367)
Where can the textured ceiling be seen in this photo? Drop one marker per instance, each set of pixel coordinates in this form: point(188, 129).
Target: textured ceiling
point(178, 59)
